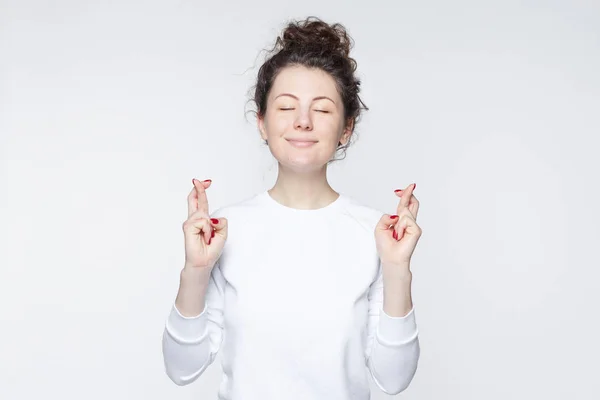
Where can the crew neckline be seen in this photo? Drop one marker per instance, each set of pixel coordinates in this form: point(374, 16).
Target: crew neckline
point(329, 207)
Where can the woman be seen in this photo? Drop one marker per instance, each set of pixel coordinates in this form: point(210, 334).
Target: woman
point(307, 290)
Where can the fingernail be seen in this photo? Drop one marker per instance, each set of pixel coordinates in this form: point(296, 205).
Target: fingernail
point(214, 221)
point(194, 182)
point(209, 240)
point(414, 186)
point(207, 180)
point(395, 235)
point(397, 190)
point(393, 216)
point(212, 234)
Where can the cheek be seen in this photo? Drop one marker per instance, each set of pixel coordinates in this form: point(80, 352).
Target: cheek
point(332, 126)
point(278, 123)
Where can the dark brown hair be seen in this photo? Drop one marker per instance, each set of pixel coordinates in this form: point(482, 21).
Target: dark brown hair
point(313, 43)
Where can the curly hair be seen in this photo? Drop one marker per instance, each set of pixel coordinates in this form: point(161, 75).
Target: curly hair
point(313, 43)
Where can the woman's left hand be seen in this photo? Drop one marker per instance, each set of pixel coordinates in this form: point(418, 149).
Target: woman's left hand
point(396, 236)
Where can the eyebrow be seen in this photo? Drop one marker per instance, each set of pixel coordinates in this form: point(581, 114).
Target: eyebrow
point(296, 97)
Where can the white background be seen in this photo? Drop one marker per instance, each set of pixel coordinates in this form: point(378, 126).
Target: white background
point(108, 109)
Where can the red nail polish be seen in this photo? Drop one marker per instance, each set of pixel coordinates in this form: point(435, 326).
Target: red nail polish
point(393, 216)
point(209, 240)
point(214, 221)
point(212, 234)
point(395, 235)
point(207, 180)
point(397, 190)
point(414, 186)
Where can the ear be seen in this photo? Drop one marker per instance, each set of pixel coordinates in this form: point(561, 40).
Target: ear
point(260, 121)
point(347, 132)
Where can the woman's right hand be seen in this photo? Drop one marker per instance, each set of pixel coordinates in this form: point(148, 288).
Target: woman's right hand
point(204, 238)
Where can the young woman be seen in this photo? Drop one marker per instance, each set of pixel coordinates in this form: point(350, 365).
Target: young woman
point(302, 289)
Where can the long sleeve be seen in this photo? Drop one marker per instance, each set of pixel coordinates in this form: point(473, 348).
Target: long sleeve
point(393, 349)
point(190, 345)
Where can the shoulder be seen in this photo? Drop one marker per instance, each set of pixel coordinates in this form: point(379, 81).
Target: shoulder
point(361, 213)
point(246, 207)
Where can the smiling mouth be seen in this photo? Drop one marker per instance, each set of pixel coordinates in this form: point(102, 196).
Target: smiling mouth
point(301, 143)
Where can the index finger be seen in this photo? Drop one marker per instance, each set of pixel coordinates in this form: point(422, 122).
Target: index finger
point(406, 195)
point(197, 200)
point(413, 204)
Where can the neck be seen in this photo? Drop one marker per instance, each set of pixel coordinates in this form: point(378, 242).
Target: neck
point(303, 190)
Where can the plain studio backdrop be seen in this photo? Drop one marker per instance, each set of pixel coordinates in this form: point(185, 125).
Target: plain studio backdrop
point(109, 109)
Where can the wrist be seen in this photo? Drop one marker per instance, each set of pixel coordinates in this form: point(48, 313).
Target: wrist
point(195, 274)
point(397, 271)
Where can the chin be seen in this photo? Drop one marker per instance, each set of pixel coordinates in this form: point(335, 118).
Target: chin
point(301, 160)
point(303, 164)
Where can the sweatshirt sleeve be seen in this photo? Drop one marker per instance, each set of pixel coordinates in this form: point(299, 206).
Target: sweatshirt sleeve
point(190, 344)
point(393, 350)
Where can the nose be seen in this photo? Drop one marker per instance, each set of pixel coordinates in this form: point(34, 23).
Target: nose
point(303, 121)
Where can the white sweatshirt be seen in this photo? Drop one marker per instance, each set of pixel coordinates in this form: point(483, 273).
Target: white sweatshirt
point(295, 308)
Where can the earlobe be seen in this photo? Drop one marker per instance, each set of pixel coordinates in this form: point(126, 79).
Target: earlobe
point(345, 137)
point(347, 133)
point(261, 127)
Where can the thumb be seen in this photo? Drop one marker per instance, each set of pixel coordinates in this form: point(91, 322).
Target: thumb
point(220, 225)
point(385, 222)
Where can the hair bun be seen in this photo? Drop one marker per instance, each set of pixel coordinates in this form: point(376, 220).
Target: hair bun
point(312, 34)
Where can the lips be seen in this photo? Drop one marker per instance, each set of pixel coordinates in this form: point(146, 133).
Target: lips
point(301, 143)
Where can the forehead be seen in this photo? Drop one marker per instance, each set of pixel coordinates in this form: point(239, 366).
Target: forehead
point(304, 82)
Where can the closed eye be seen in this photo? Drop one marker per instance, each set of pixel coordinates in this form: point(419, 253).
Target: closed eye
point(288, 109)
